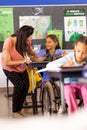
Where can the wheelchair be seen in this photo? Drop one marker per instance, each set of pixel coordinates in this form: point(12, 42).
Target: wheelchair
point(46, 97)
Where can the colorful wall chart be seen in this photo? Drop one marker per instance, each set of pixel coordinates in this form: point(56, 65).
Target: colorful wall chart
point(6, 23)
point(74, 21)
point(41, 24)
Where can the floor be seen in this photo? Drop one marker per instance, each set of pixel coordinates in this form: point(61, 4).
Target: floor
point(37, 123)
point(6, 107)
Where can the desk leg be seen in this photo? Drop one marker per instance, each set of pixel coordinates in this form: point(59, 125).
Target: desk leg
point(33, 93)
point(62, 97)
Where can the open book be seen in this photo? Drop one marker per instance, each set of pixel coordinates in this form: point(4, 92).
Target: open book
point(50, 69)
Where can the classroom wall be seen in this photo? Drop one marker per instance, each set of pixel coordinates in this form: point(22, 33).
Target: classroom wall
point(57, 13)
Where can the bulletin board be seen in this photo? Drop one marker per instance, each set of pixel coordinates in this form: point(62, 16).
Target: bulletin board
point(57, 14)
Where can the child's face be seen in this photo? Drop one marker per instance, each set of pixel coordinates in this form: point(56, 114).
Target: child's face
point(50, 44)
point(80, 52)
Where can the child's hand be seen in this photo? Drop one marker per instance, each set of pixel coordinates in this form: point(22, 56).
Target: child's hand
point(42, 58)
point(69, 63)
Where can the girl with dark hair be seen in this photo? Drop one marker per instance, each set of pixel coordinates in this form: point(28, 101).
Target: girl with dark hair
point(13, 62)
point(50, 53)
point(72, 88)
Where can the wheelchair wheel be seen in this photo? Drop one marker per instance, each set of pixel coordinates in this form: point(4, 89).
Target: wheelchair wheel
point(46, 101)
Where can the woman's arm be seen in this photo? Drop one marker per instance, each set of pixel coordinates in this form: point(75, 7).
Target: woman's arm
point(9, 62)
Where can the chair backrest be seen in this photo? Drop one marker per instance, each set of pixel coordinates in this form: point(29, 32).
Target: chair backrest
point(37, 47)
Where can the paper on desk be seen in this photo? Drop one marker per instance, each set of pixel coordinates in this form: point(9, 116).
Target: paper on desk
point(51, 69)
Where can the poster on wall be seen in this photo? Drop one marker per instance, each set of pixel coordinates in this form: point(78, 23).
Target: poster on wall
point(41, 24)
point(74, 21)
point(6, 23)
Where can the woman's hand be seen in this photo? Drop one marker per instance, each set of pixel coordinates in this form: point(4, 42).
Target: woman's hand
point(26, 59)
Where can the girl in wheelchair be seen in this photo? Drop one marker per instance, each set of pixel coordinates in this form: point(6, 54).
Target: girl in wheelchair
point(50, 53)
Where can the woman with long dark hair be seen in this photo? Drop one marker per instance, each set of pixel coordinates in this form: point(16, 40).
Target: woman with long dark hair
point(13, 62)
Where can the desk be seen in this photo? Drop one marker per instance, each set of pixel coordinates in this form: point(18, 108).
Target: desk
point(63, 73)
point(32, 65)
